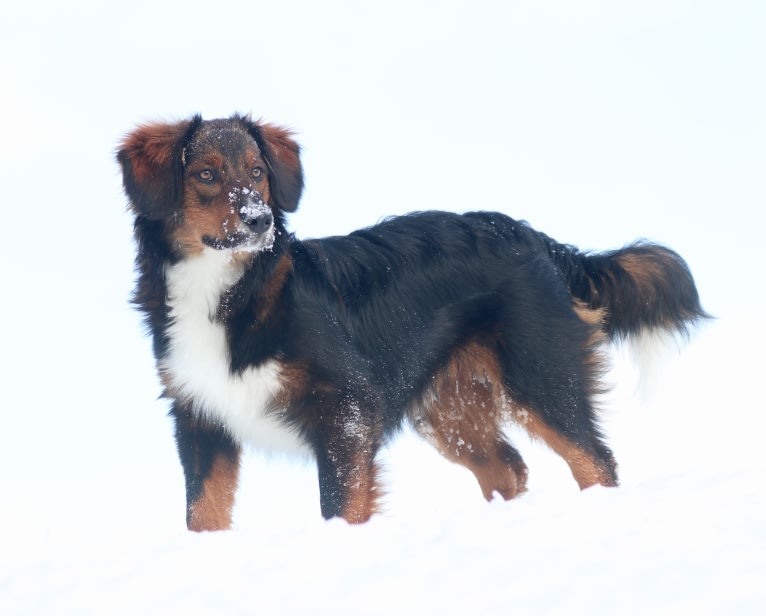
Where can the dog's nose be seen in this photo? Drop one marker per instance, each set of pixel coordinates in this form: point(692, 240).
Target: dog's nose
point(258, 220)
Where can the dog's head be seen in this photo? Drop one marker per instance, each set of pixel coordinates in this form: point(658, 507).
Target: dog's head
point(220, 184)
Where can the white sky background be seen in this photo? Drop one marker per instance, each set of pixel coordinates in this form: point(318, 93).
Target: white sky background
point(599, 122)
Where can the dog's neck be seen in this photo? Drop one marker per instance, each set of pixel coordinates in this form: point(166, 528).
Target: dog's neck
point(196, 284)
point(197, 368)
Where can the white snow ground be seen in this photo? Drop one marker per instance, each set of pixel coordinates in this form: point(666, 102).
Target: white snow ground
point(597, 121)
point(683, 534)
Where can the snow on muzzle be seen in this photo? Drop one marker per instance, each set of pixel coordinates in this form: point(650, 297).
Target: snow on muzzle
point(257, 233)
point(256, 214)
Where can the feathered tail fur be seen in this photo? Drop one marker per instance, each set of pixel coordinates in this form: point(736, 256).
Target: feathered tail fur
point(642, 287)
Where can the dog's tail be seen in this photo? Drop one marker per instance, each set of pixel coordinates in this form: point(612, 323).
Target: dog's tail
point(641, 288)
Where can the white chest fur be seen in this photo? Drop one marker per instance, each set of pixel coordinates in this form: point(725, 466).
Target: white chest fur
point(197, 365)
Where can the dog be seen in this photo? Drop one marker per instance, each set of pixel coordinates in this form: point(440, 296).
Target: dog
point(455, 324)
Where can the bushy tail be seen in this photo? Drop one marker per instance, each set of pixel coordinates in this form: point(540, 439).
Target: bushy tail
point(642, 287)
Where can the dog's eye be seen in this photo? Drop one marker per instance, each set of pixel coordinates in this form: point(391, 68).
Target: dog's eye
point(257, 172)
point(206, 175)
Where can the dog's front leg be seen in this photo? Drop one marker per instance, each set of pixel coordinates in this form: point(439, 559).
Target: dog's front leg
point(210, 459)
point(346, 446)
point(347, 484)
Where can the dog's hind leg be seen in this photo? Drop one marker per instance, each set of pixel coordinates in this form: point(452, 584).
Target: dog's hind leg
point(589, 460)
point(210, 459)
point(552, 369)
point(461, 414)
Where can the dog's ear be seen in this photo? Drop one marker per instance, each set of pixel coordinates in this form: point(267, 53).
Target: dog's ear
point(152, 166)
point(282, 155)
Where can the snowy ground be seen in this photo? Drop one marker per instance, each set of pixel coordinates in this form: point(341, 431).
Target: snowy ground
point(599, 122)
point(683, 534)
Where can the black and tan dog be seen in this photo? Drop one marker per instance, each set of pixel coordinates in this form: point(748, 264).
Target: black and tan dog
point(455, 323)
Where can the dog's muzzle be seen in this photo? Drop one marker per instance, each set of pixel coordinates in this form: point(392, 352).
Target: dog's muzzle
point(259, 223)
point(255, 232)
point(257, 216)
point(253, 210)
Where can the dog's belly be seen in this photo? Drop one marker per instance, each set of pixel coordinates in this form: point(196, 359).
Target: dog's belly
point(196, 368)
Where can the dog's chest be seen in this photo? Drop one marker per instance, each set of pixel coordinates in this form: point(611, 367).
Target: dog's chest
point(196, 367)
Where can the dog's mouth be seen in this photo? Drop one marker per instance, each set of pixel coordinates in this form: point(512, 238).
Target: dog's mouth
point(242, 241)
